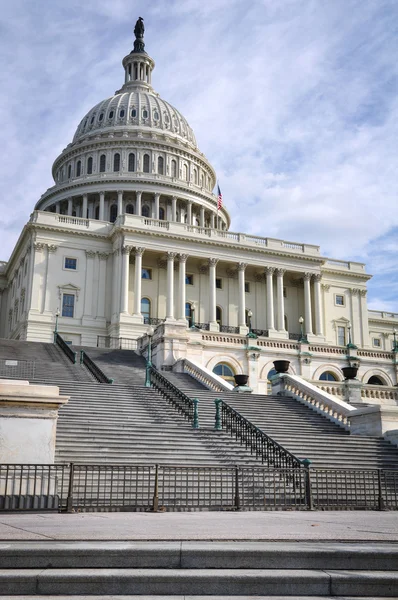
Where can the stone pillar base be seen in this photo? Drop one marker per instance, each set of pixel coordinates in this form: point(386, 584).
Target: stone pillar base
point(279, 335)
point(214, 327)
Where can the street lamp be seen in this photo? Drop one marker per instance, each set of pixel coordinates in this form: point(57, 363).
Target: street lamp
point(150, 332)
point(302, 337)
point(249, 316)
point(350, 344)
point(57, 313)
point(193, 308)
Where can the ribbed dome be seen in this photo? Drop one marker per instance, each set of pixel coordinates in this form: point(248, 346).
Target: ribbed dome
point(135, 108)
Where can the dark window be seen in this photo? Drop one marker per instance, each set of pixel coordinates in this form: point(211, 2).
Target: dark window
point(374, 380)
point(160, 165)
point(111, 114)
point(113, 213)
point(339, 300)
point(92, 120)
point(189, 279)
point(78, 168)
point(68, 305)
point(218, 283)
point(145, 211)
point(161, 214)
point(101, 116)
point(116, 162)
point(71, 263)
point(133, 112)
point(131, 162)
point(144, 114)
point(224, 371)
point(90, 165)
point(69, 171)
point(146, 273)
point(219, 315)
point(247, 287)
point(146, 163)
point(156, 115)
point(146, 308)
point(102, 163)
point(130, 209)
point(188, 313)
point(173, 168)
point(328, 376)
point(97, 212)
point(122, 113)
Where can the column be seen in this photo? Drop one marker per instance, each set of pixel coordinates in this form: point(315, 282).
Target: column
point(182, 258)
point(102, 206)
point(202, 216)
point(70, 206)
point(84, 208)
point(212, 218)
point(174, 209)
point(103, 257)
point(57, 208)
point(307, 304)
point(115, 294)
point(88, 284)
point(242, 303)
point(119, 203)
point(138, 252)
point(51, 249)
point(364, 318)
point(124, 294)
point(318, 304)
point(189, 212)
point(157, 200)
point(269, 271)
point(170, 285)
point(212, 291)
point(138, 204)
point(280, 300)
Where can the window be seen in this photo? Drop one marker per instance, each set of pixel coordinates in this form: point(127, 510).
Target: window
point(328, 376)
point(145, 114)
point(92, 119)
point(189, 279)
point(69, 171)
point(122, 113)
point(188, 313)
point(284, 292)
point(161, 213)
point(146, 163)
point(101, 116)
point(185, 171)
point(374, 380)
point(377, 342)
point(339, 300)
point(195, 176)
point(102, 163)
point(160, 165)
point(130, 209)
point(111, 114)
point(173, 168)
point(113, 213)
point(166, 118)
point(131, 162)
point(247, 287)
point(116, 162)
point(68, 305)
point(145, 211)
point(218, 283)
point(133, 112)
point(219, 315)
point(90, 165)
point(146, 309)
point(156, 115)
point(146, 273)
point(341, 341)
point(224, 371)
point(97, 212)
point(78, 168)
point(70, 263)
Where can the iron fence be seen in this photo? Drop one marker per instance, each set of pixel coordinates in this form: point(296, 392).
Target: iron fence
point(153, 321)
point(228, 329)
point(85, 487)
point(17, 369)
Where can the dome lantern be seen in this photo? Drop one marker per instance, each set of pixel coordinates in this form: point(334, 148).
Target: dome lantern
point(138, 65)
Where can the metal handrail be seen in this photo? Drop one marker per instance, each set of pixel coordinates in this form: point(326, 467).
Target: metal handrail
point(94, 368)
point(260, 444)
point(153, 321)
point(181, 401)
point(228, 329)
point(66, 349)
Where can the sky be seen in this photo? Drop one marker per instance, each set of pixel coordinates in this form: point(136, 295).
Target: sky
point(294, 103)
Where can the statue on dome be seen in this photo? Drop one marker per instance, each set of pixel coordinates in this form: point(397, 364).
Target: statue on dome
point(139, 30)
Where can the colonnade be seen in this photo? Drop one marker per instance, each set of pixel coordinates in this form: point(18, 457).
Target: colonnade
point(153, 205)
point(176, 310)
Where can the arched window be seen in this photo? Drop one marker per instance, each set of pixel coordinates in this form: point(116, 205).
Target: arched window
point(219, 315)
point(185, 172)
point(160, 165)
point(188, 313)
point(69, 171)
point(102, 163)
point(90, 165)
point(131, 162)
point(374, 380)
point(79, 168)
point(121, 114)
point(133, 112)
point(145, 211)
point(113, 213)
point(130, 209)
point(146, 163)
point(271, 373)
point(97, 212)
point(327, 376)
point(224, 371)
point(174, 168)
point(116, 162)
point(145, 114)
point(195, 176)
point(161, 214)
point(146, 309)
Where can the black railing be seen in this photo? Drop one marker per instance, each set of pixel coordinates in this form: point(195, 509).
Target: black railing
point(258, 442)
point(94, 368)
point(66, 349)
point(116, 343)
point(294, 336)
point(152, 321)
point(228, 329)
point(71, 488)
point(176, 397)
point(260, 332)
point(203, 326)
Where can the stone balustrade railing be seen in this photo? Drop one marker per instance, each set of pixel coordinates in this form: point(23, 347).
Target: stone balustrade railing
point(333, 408)
point(384, 394)
point(203, 375)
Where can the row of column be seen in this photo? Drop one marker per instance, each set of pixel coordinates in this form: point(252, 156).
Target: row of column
point(272, 324)
point(155, 209)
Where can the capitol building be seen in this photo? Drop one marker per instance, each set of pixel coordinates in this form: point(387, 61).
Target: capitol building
point(132, 235)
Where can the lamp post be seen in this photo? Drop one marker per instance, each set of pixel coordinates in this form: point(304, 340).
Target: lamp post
point(249, 316)
point(302, 338)
point(349, 333)
point(193, 308)
point(57, 313)
point(150, 332)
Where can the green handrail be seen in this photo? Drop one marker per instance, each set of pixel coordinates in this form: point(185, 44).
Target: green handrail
point(180, 401)
point(94, 368)
point(66, 349)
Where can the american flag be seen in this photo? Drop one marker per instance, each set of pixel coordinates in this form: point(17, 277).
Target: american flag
point(219, 198)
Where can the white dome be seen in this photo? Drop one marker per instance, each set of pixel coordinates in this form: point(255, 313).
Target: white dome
point(135, 108)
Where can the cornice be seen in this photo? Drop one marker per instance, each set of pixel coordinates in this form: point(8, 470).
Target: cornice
point(348, 274)
point(382, 321)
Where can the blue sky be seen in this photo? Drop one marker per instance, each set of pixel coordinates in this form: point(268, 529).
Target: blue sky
point(294, 103)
